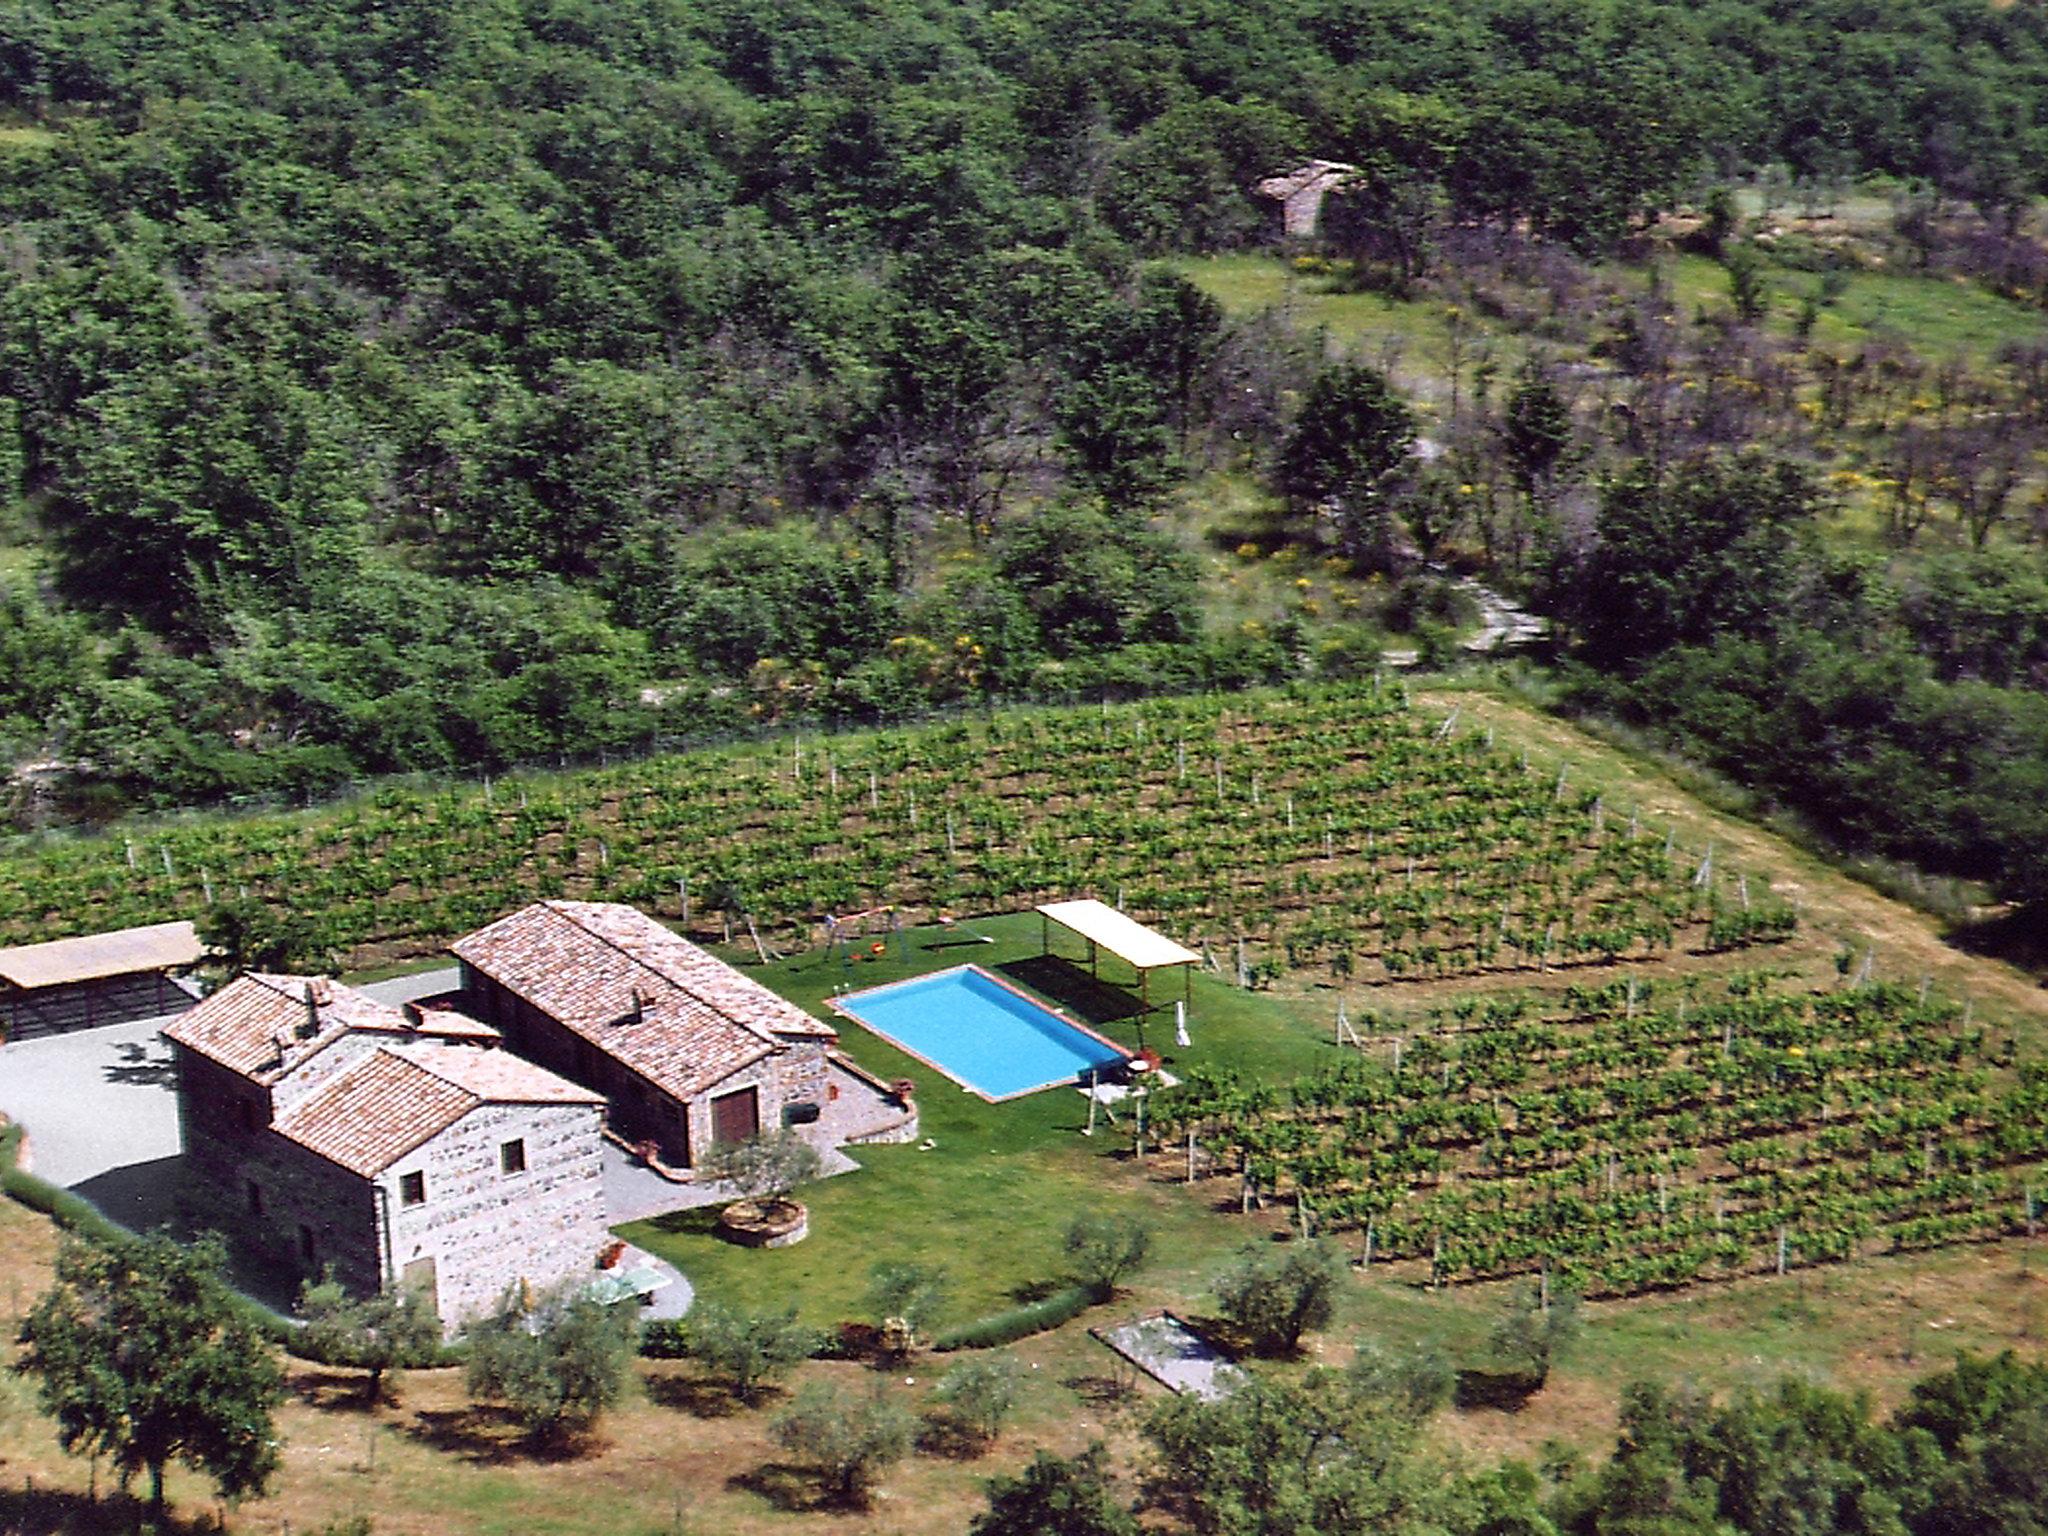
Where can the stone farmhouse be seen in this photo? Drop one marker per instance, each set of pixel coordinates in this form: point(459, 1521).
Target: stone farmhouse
point(687, 1050)
point(399, 1146)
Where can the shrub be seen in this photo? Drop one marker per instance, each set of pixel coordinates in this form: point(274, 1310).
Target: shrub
point(980, 1394)
point(847, 1439)
point(665, 1338)
point(904, 1299)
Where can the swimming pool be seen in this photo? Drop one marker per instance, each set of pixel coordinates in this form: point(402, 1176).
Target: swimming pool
point(981, 1032)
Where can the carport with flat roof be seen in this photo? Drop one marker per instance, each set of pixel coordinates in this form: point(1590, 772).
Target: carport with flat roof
point(1106, 929)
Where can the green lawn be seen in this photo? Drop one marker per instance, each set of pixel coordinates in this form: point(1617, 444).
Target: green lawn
point(992, 1198)
point(1938, 317)
point(1409, 337)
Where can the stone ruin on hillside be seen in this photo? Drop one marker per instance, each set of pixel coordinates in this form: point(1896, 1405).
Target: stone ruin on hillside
point(1300, 194)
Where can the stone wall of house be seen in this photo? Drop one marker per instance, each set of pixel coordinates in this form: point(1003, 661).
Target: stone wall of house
point(269, 1197)
point(803, 1074)
point(222, 1118)
point(308, 1074)
point(485, 1228)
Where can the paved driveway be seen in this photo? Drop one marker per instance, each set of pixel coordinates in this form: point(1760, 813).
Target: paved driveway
point(103, 1102)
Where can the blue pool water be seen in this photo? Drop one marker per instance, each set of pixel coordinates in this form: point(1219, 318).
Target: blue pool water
point(980, 1033)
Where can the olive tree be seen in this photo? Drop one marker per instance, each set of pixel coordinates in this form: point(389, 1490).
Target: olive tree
point(1275, 1295)
point(375, 1334)
point(1102, 1249)
point(847, 1438)
point(558, 1363)
point(746, 1349)
point(764, 1168)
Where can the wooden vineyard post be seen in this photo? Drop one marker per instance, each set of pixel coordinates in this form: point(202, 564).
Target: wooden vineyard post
point(1781, 1250)
point(1191, 1156)
point(1365, 1261)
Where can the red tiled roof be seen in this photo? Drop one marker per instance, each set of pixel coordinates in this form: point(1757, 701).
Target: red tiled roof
point(678, 1016)
point(262, 1026)
point(375, 1112)
point(401, 1095)
point(496, 1077)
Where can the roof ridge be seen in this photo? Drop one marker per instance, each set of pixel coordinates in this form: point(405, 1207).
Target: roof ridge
point(558, 906)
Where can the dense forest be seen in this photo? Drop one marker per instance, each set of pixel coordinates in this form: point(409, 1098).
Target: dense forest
point(391, 386)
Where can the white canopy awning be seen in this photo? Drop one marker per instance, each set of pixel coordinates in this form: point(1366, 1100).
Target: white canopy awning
point(1131, 942)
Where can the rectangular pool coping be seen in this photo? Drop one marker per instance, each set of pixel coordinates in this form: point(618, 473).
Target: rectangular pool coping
point(835, 1003)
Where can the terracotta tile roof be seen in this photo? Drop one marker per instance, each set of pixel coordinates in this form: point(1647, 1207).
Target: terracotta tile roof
point(263, 1026)
point(401, 1095)
point(375, 1112)
point(494, 1076)
point(676, 1015)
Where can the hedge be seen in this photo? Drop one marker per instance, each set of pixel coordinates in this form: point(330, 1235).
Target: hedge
point(78, 1215)
point(998, 1328)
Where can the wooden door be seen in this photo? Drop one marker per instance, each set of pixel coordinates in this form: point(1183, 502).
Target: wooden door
point(736, 1116)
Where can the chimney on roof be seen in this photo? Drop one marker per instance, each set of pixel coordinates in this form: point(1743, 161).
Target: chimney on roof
point(310, 1025)
point(412, 1015)
point(638, 1011)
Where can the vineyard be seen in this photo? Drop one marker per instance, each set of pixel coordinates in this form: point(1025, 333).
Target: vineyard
point(1625, 1148)
point(1336, 827)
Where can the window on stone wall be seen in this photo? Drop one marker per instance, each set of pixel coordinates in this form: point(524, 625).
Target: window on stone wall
point(306, 1248)
point(512, 1157)
point(255, 1194)
point(252, 1114)
point(412, 1189)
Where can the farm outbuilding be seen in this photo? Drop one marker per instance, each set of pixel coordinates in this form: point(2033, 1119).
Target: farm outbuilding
point(99, 978)
point(687, 1050)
